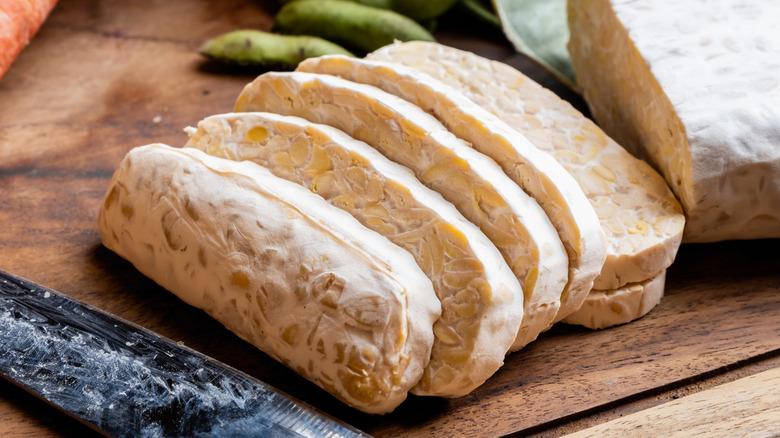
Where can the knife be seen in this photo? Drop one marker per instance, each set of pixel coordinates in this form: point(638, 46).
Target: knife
point(126, 381)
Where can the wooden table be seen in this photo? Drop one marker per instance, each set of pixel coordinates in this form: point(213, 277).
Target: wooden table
point(104, 76)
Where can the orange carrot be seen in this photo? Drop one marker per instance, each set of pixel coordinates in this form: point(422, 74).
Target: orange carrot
point(19, 20)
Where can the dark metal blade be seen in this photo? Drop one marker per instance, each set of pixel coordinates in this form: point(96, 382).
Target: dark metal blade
point(126, 381)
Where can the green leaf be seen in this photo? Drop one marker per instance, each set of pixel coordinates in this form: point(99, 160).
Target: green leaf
point(539, 30)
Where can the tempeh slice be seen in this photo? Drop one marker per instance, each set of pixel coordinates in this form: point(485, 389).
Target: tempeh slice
point(534, 171)
point(638, 212)
point(404, 133)
point(606, 308)
point(480, 312)
point(283, 269)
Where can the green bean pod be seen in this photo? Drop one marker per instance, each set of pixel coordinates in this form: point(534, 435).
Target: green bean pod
point(422, 10)
point(263, 49)
point(350, 24)
point(418, 10)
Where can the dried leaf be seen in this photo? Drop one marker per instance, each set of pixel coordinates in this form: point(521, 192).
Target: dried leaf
point(539, 30)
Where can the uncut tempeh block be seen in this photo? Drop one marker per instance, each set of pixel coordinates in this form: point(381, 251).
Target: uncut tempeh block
point(639, 214)
point(694, 88)
point(482, 305)
point(534, 171)
point(276, 264)
point(404, 133)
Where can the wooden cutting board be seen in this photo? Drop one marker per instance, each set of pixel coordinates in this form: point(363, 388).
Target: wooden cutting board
point(748, 406)
point(104, 76)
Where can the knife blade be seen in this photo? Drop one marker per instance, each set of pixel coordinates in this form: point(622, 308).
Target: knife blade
point(126, 381)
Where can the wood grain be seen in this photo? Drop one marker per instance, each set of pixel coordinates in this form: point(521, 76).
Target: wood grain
point(656, 397)
point(746, 407)
point(104, 76)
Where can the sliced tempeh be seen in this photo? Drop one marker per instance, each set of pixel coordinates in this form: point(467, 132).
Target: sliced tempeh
point(403, 132)
point(475, 285)
point(300, 279)
point(605, 308)
point(534, 171)
point(639, 214)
